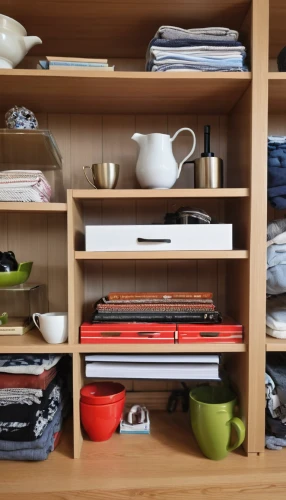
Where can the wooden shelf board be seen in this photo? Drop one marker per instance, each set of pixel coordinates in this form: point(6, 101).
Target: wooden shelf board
point(122, 92)
point(122, 27)
point(171, 255)
point(102, 194)
point(30, 343)
point(33, 207)
point(167, 348)
point(277, 92)
point(273, 344)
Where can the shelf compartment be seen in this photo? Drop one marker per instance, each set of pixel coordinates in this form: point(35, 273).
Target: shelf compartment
point(157, 349)
point(122, 92)
point(172, 255)
point(33, 207)
point(118, 194)
point(30, 343)
point(277, 92)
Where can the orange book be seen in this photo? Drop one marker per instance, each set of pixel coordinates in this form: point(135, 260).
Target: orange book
point(159, 295)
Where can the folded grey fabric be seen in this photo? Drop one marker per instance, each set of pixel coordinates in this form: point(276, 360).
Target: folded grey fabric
point(276, 314)
point(274, 443)
point(276, 266)
point(275, 228)
point(188, 67)
point(190, 42)
point(173, 32)
point(20, 396)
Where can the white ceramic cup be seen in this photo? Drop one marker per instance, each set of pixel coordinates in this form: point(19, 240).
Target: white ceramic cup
point(53, 326)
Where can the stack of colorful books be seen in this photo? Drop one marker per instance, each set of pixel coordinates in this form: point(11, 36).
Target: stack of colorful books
point(74, 63)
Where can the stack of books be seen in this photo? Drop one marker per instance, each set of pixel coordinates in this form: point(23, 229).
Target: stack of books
point(74, 63)
point(16, 326)
point(166, 307)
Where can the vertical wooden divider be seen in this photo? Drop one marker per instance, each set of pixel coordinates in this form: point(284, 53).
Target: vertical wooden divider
point(258, 208)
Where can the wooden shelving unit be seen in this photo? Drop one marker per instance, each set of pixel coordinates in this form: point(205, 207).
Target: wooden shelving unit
point(93, 117)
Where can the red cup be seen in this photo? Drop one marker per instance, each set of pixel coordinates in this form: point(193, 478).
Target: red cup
point(102, 393)
point(101, 421)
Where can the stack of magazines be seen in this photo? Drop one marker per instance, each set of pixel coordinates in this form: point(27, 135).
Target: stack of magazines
point(146, 307)
point(74, 63)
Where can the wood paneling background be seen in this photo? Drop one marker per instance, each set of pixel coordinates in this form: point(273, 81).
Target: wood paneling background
point(87, 139)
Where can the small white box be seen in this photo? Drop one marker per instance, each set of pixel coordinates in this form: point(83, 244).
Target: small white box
point(158, 237)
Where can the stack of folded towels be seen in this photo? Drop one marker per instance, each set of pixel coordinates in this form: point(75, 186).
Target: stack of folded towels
point(277, 171)
point(205, 49)
point(34, 400)
point(276, 279)
point(166, 307)
point(275, 395)
point(24, 186)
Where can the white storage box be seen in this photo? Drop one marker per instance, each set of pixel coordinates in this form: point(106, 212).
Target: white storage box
point(158, 237)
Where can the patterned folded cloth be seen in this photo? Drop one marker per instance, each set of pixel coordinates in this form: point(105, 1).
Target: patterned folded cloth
point(20, 396)
point(192, 67)
point(27, 423)
point(33, 364)
point(14, 381)
point(24, 186)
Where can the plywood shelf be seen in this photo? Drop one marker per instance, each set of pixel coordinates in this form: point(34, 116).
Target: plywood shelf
point(103, 194)
point(171, 255)
point(273, 344)
point(30, 343)
point(33, 207)
point(157, 349)
point(122, 92)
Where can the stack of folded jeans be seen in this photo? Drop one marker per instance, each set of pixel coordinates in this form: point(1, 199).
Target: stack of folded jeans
point(206, 49)
point(34, 400)
point(277, 171)
point(275, 395)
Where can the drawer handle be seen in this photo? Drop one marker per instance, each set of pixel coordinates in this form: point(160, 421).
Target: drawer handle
point(152, 240)
point(209, 334)
point(148, 333)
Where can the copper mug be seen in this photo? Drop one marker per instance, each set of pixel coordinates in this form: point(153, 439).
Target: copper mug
point(104, 175)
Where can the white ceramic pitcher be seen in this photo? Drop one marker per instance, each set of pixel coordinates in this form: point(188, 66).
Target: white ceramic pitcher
point(14, 42)
point(156, 166)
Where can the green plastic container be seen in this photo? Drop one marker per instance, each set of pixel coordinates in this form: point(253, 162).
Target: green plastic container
point(16, 277)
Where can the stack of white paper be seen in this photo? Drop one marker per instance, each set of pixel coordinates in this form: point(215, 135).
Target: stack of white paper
point(153, 366)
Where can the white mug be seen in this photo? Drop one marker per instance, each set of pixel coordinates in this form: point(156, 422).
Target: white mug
point(53, 326)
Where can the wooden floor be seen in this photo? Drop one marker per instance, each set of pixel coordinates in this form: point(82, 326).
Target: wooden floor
point(119, 470)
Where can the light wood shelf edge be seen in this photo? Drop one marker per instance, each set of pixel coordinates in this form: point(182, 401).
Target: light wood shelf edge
point(164, 348)
point(33, 207)
point(89, 194)
point(170, 255)
point(129, 75)
point(275, 345)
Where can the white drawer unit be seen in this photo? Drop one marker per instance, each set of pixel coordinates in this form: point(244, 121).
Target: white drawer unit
point(158, 237)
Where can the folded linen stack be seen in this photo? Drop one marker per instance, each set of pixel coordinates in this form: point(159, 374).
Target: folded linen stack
point(33, 402)
point(275, 395)
point(277, 171)
point(145, 307)
point(205, 49)
point(24, 186)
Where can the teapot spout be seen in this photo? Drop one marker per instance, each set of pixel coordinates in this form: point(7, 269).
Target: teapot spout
point(30, 41)
point(138, 138)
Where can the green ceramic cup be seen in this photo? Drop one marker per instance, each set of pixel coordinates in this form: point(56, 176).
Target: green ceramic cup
point(212, 418)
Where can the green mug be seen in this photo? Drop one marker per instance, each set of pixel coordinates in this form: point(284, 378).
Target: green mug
point(212, 418)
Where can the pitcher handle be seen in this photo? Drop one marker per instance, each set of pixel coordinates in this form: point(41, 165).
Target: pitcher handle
point(240, 431)
point(87, 176)
point(192, 150)
point(36, 320)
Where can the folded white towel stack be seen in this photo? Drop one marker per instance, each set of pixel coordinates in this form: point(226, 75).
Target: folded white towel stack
point(24, 186)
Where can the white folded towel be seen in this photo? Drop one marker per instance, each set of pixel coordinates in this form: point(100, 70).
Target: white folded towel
point(24, 186)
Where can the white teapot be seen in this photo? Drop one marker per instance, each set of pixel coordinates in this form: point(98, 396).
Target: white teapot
point(156, 166)
point(14, 42)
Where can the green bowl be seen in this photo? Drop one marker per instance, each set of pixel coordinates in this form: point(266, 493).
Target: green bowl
point(18, 277)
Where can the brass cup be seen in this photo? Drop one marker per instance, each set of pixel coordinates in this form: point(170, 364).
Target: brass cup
point(104, 175)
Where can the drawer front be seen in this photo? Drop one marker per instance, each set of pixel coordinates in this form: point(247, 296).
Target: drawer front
point(159, 237)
